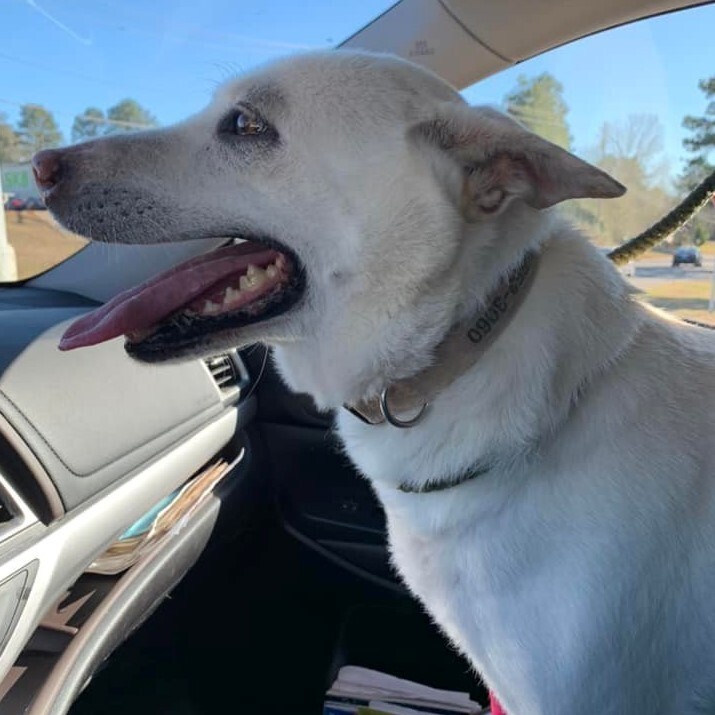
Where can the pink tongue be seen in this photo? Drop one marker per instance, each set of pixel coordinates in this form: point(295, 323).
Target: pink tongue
point(149, 303)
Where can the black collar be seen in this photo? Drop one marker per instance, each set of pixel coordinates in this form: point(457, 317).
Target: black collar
point(440, 485)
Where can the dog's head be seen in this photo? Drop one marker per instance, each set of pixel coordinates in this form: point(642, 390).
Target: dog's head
point(377, 205)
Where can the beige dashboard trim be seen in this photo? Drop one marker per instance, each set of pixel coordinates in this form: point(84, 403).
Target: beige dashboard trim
point(52, 691)
point(66, 547)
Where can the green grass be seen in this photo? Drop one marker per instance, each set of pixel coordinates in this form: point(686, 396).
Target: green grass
point(686, 298)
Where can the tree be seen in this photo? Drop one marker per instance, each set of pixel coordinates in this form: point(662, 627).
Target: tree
point(539, 105)
point(694, 171)
point(631, 151)
point(9, 142)
point(699, 233)
point(89, 125)
point(125, 116)
point(639, 137)
point(701, 141)
point(37, 130)
point(128, 116)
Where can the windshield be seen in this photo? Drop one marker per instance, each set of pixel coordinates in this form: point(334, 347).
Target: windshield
point(637, 100)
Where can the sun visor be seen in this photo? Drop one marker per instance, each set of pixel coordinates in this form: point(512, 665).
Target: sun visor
point(424, 32)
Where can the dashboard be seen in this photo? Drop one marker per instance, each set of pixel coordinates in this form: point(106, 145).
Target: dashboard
point(90, 441)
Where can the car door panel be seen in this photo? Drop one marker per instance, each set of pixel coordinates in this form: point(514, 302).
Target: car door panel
point(321, 498)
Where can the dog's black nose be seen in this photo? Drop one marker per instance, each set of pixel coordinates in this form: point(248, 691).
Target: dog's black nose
point(47, 168)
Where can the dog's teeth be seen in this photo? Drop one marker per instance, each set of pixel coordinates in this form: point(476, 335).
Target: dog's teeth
point(255, 277)
point(210, 307)
point(230, 295)
point(256, 274)
point(271, 271)
point(244, 283)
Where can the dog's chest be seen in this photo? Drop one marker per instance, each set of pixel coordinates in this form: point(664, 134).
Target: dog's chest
point(466, 580)
point(447, 546)
point(491, 591)
point(464, 575)
point(430, 567)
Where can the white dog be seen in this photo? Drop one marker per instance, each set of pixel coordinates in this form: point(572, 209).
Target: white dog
point(553, 505)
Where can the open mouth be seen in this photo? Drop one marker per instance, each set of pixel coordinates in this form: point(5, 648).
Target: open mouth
point(225, 289)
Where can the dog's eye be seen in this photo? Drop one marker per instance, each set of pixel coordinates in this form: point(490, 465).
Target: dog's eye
point(247, 123)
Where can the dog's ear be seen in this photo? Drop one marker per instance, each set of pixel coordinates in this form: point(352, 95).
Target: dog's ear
point(500, 160)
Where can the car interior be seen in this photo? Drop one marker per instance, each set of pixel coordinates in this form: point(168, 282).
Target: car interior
point(251, 596)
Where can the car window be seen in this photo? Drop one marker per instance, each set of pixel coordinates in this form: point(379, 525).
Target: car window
point(74, 71)
point(638, 101)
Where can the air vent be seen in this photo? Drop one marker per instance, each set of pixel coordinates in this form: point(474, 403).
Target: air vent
point(223, 370)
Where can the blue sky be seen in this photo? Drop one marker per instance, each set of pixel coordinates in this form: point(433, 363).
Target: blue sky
point(169, 55)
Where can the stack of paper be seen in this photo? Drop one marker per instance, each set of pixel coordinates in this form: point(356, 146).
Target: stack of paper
point(168, 516)
point(361, 691)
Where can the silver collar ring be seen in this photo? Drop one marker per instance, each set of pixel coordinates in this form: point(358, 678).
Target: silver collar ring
point(396, 422)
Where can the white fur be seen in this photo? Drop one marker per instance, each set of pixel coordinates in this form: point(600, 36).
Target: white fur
point(578, 575)
point(579, 579)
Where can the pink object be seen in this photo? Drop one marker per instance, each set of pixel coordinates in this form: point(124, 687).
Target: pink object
point(497, 709)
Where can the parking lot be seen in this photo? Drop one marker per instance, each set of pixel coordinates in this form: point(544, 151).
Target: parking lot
point(659, 268)
point(684, 290)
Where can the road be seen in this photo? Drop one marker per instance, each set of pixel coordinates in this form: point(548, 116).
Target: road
point(650, 271)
